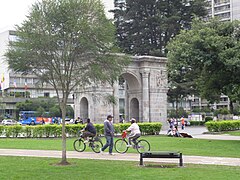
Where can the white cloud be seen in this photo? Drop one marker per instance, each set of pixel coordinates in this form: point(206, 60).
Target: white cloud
point(13, 12)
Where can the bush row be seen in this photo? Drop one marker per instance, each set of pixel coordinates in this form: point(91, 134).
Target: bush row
point(197, 123)
point(227, 125)
point(72, 130)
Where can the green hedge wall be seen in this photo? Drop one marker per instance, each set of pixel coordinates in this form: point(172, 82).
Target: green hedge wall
point(72, 130)
point(226, 125)
point(196, 123)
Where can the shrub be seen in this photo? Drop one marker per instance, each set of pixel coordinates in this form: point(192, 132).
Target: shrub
point(54, 130)
point(208, 118)
point(227, 125)
point(12, 131)
point(196, 123)
point(1, 130)
point(27, 131)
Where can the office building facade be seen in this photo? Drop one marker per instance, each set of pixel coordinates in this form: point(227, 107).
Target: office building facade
point(226, 10)
point(17, 87)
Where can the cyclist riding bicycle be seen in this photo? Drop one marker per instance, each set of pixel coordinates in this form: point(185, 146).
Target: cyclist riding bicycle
point(135, 133)
point(88, 131)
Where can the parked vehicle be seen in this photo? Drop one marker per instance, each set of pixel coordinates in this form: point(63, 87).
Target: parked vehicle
point(9, 122)
point(36, 121)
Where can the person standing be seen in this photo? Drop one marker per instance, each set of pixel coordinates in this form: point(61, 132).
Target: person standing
point(108, 132)
point(182, 122)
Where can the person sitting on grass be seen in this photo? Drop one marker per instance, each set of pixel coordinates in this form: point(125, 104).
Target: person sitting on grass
point(135, 133)
point(88, 131)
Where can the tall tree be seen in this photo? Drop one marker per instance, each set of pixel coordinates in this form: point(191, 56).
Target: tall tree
point(66, 43)
point(145, 27)
point(210, 51)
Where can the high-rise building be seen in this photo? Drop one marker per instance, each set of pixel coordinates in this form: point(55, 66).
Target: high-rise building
point(226, 10)
point(17, 87)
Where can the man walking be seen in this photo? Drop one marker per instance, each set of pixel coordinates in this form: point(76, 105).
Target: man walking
point(108, 132)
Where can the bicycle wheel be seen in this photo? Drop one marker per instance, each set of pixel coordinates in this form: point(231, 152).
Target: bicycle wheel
point(96, 146)
point(121, 146)
point(143, 146)
point(79, 145)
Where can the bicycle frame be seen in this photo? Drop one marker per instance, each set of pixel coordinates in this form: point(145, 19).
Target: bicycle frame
point(94, 142)
point(121, 145)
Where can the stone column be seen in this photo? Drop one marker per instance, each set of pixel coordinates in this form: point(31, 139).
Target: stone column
point(126, 108)
point(116, 106)
point(145, 95)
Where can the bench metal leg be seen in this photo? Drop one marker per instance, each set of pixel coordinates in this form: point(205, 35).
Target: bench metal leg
point(141, 160)
point(181, 160)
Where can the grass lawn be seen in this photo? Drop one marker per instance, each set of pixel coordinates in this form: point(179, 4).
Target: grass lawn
point(22, 168)
point(188, 146)
point(233, 133)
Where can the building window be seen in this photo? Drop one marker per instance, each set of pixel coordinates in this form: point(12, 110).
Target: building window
point(46, 94)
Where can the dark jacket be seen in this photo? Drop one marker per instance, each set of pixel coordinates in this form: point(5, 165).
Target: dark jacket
point(90, 128)
point(108, 128)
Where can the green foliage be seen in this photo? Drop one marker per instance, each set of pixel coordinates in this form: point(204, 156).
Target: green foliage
point(208, 118)
point(66, 44)
point(11, 131)
point(42, 106)
point(208, 53)
point(38, 131)
point(70, 112)
point(72, 130)
point(34, 104)
point(177, 113)
point(40, 111)
point(218, 126)
point(196, 123)
point(27, 131)
point(224, 111)
point(55, 111)
point(1, 129)
point(145, 27)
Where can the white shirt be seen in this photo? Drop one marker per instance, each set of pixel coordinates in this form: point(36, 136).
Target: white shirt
point(134, 128)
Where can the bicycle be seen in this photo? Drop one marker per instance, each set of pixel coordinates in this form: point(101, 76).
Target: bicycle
point(121, 145)
point(94, 142)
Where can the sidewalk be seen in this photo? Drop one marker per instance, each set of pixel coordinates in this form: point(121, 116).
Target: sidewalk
point(120, 157)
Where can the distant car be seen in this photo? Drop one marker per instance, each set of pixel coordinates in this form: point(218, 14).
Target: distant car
point(9, 122)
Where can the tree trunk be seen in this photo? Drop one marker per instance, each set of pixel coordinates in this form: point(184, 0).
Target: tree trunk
point(176, 107)
point(64, 152)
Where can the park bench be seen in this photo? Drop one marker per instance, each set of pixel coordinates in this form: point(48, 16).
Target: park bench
point(161, 154)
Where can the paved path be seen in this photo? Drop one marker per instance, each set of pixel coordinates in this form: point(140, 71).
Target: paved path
point(120, 157)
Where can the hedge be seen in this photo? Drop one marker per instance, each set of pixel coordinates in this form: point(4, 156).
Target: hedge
point(226, 125)
point(72, 130)
point(197, 123)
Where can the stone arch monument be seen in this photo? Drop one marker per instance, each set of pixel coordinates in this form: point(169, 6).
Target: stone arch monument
point(145, 93)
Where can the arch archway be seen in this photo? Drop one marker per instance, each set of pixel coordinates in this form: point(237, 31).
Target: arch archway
point(84, 108)
point(145, 96)
point(130, 95)
point(134, 109)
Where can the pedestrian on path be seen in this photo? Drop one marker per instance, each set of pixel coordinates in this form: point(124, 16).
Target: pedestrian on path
point(108, 132)
point(183, 122)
